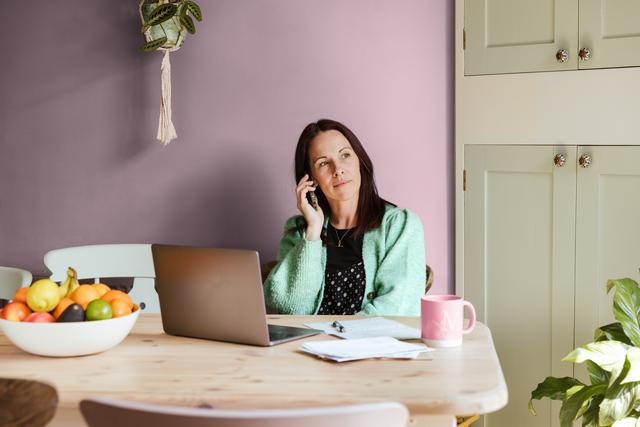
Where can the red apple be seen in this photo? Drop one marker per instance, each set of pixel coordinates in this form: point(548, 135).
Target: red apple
point(40, 318)
point(15, 311)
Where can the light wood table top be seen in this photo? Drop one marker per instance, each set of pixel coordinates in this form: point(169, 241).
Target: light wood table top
point(154, 367)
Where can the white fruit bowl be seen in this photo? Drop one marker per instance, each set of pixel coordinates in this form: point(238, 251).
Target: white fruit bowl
point(69, 338)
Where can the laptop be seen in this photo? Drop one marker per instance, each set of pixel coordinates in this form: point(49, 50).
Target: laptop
point(216, 294)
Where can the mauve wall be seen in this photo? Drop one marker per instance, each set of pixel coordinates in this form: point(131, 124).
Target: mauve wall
point(79, 107)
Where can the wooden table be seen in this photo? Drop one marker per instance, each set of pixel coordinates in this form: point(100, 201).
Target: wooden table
point(154, 367)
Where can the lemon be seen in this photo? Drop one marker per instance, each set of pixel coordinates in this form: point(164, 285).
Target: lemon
point(43, 295)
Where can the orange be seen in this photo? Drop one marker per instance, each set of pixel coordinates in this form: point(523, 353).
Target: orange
point(21, 295)
point(101, 288)
point(120, 307)
point(115, 294)
point(62, 306)
point(84, 294)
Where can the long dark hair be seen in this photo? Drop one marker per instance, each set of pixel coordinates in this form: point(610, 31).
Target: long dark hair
point(371, 206)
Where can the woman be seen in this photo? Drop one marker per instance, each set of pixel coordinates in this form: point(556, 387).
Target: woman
point(354, 252)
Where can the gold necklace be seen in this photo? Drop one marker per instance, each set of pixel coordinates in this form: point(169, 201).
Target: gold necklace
point(340, 238)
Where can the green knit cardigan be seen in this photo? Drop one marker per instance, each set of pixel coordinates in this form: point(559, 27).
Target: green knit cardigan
point(394, 264)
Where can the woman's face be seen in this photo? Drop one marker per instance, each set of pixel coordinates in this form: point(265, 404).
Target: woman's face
point(334, 166)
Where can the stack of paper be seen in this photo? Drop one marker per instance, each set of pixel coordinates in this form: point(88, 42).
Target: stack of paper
point(368, 328)
point(363, 348)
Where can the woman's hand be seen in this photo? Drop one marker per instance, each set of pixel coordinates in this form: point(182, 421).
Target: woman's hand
point(314, 217)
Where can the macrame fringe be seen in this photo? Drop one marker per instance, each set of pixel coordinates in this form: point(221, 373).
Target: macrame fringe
point(166, 131)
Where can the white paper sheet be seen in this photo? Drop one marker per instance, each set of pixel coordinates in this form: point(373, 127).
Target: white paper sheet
point(363, 348)
point(369, 328)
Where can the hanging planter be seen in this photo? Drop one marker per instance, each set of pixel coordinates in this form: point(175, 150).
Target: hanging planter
point(165, 24)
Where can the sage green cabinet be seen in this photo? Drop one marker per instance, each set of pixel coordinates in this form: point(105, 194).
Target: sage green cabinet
point(513, 36)
point(544, 227)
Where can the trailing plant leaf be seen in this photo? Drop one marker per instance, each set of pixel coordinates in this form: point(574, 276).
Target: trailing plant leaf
point(153, 44)
point(590, 416)
point(611, 332)
point(597, 374)
point(187, 22)
point(161, 13)
point(553, 388)
point(194, 9)
point(609, 355)
point(572, 406)
point(626, 306)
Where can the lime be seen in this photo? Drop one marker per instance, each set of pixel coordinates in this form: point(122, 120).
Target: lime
point(98, 309)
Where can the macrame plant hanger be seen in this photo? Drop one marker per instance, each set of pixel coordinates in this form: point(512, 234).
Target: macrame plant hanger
point(166, 130)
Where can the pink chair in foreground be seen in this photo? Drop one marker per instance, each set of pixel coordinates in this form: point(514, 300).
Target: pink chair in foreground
point(101, 412)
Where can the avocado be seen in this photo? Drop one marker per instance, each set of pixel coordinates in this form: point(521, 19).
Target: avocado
point(73, 313)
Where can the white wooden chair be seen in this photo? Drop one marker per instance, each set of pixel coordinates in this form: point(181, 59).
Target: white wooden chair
point(105, 261)
point(11, 279)
point(107, 413)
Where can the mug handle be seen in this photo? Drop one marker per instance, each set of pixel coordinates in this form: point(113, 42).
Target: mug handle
point(472, 317)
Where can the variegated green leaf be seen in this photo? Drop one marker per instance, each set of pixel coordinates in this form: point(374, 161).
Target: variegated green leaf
point(597, 375)
point(153, 44)
point(627, 422)
point(578, 403)
point(187, 22)
point(590, 416)
point(609, 355)
point(626, 307)
point(194, 9)
point(619, 400)
point(611, 332)
point(161, 13)
point(633, 357)
point(553, 388)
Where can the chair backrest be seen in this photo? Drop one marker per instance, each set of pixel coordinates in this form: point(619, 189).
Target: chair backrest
point(11, 279)
point(107, 413)
point(429, 281)
point(105, 261)
point(266, 268)
point(26, 402)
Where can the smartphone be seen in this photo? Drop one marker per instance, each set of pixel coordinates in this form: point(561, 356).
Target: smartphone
point(313, 199)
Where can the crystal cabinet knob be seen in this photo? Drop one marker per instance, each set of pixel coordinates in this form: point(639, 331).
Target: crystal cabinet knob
point(562, 55)
point(559, 160)
point(584, 160)
point(585, 54)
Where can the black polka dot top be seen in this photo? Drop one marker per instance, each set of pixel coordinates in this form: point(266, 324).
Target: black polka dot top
point(344, 281)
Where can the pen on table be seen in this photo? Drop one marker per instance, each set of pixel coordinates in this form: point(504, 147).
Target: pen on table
point(338, 326)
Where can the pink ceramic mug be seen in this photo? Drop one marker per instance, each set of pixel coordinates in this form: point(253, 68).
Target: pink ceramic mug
point(442, 318)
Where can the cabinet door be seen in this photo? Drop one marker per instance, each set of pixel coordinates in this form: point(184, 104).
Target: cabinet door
point(610, 29)
point(607, 232)
point(511, 36)
point(519, 248)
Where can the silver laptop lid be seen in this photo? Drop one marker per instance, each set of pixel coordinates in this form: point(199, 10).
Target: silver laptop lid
point(211, 293)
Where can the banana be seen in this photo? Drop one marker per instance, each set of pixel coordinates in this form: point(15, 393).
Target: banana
point(70, 284)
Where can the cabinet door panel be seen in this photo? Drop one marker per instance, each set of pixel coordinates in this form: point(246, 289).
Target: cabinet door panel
point(510, 36)
point(607, 232)
point(611, 30)
point(519, 266)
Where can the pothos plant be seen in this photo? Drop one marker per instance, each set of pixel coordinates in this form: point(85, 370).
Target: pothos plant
point(613, 360)
point(164, 22)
